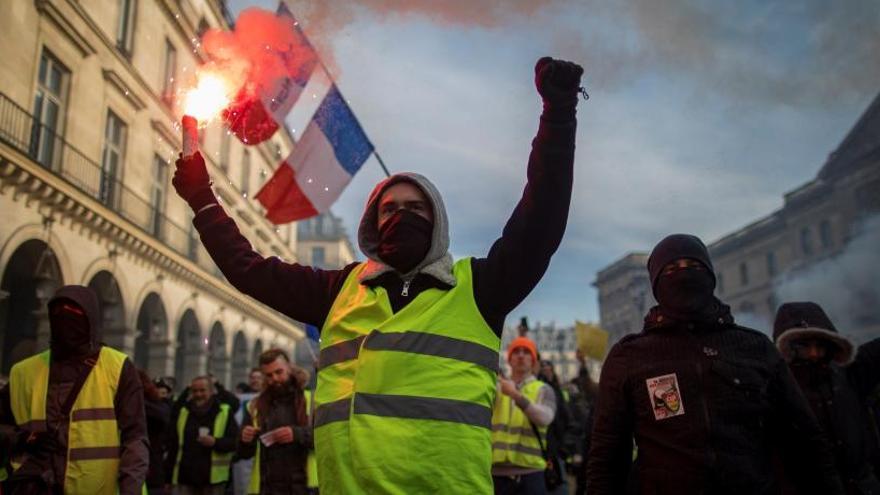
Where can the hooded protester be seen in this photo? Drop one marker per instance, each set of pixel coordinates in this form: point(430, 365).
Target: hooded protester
point(78, 408)
point(421, 330)
point(837, 383)
point(707, 401)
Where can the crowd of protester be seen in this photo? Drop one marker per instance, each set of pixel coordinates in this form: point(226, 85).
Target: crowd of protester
point(410, 397)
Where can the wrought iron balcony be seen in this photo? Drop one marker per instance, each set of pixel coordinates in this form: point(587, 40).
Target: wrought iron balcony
point(24, 132)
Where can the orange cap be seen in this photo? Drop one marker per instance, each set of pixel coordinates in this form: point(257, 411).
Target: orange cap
point(523, 342)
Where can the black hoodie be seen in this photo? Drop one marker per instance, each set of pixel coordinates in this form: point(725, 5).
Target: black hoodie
point(128, 404)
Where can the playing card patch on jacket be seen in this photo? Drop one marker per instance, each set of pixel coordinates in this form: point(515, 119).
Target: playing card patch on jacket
point(665, 397)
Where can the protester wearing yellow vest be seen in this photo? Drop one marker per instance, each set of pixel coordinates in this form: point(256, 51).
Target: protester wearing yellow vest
point(409, 339)
point(78, 409)
point(276, 431)
point(201, 442)
point(517, 461)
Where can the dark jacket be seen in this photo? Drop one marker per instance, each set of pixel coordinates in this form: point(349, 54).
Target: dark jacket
point(838, 396)
point(707, 402)
point(195, 461)
point(281, 466)
point(158, 421)
point(128, 407)
point(514, 265)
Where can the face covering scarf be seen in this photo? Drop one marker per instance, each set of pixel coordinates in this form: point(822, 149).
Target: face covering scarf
point(686, 292)
point(70, 331)
point(404, 240)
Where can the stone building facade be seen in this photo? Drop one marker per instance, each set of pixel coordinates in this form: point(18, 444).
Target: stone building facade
point(323, 242)
point(88, 111)
point(820, 245)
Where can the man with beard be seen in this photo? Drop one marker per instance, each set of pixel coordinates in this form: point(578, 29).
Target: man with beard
point(276, 430)
point(409, 338)
point(706, 400)
point(201, 442)
point(837, 382)
point(78, 409)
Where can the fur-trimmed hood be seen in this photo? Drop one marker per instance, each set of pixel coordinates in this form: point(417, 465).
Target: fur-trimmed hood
point(438, 261)
point(798, 320)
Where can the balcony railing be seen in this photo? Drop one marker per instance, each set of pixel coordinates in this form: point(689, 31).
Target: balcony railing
point(24, 132)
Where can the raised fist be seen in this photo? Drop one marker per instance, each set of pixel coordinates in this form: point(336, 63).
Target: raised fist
point(558, 81)
point(192, 183)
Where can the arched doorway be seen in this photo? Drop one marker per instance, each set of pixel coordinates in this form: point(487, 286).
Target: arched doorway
point(241, 363)
point(218, 361)
point(189, 357)
point(255, 355)
point(112, 312)
point(29, 281)
point(151, 346)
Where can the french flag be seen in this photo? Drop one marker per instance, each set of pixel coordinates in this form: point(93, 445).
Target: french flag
point(331, 150)
point(254, 119)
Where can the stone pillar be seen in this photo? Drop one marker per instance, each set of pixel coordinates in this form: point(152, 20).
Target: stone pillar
point(159, 358)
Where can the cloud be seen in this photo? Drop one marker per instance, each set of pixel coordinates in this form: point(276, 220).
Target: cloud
point(801, 53)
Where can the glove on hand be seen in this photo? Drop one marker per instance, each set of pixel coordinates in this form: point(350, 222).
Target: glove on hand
point(192, 183)
point(558, 81)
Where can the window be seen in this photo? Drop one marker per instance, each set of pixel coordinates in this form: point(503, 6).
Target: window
point(318, 256)
point(125, 28)
point(49, 108)
point(746, 307)
point(806, 241)
point(157, 195)
point(771, 264)
point(169, 81)
point(825, 234)
point(111, 159)
point(246, 173)
point(225, 142)
point(743, 273)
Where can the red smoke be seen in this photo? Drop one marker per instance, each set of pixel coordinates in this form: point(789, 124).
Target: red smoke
point(262, 48)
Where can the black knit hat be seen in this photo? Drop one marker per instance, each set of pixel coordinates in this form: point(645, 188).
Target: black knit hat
point(797, 320)
point(677, 246)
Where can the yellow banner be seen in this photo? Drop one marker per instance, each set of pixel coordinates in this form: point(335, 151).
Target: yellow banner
point(592, 341)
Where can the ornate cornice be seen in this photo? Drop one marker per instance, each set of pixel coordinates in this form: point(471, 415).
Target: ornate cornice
point(33, 183)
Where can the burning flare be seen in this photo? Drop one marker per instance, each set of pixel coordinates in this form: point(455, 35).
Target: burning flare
point(208, 98)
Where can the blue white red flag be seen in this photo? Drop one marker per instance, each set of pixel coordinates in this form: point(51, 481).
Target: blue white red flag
point(331, 150)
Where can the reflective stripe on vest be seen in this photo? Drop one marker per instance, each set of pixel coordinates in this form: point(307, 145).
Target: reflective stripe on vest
point(220, 462)
point(93, 435)
point(513, 439)
point(424, 376)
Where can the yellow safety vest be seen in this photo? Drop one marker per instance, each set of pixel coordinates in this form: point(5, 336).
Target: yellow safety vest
point(220, 462)
point(404, 400)
point(93, 435)
point(513, 439)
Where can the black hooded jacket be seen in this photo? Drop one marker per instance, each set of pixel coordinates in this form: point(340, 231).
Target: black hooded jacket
point(707, 402)
point(128, 404)
point(838, 396)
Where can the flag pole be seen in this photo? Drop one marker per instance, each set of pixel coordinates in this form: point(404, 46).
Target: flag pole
point(333, 83)
point(382, 163)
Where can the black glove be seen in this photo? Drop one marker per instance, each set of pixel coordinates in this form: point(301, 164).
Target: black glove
point(558, 82)
point(192, 183)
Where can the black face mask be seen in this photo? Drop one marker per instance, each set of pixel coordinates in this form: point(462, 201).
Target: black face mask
point(404, 240)
point(70, 334)
point(686, 291)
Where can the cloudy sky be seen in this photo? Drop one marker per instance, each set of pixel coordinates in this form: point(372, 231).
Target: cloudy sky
point(702, 114)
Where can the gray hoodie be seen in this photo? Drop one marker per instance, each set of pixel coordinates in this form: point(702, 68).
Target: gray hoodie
point(438, 261)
